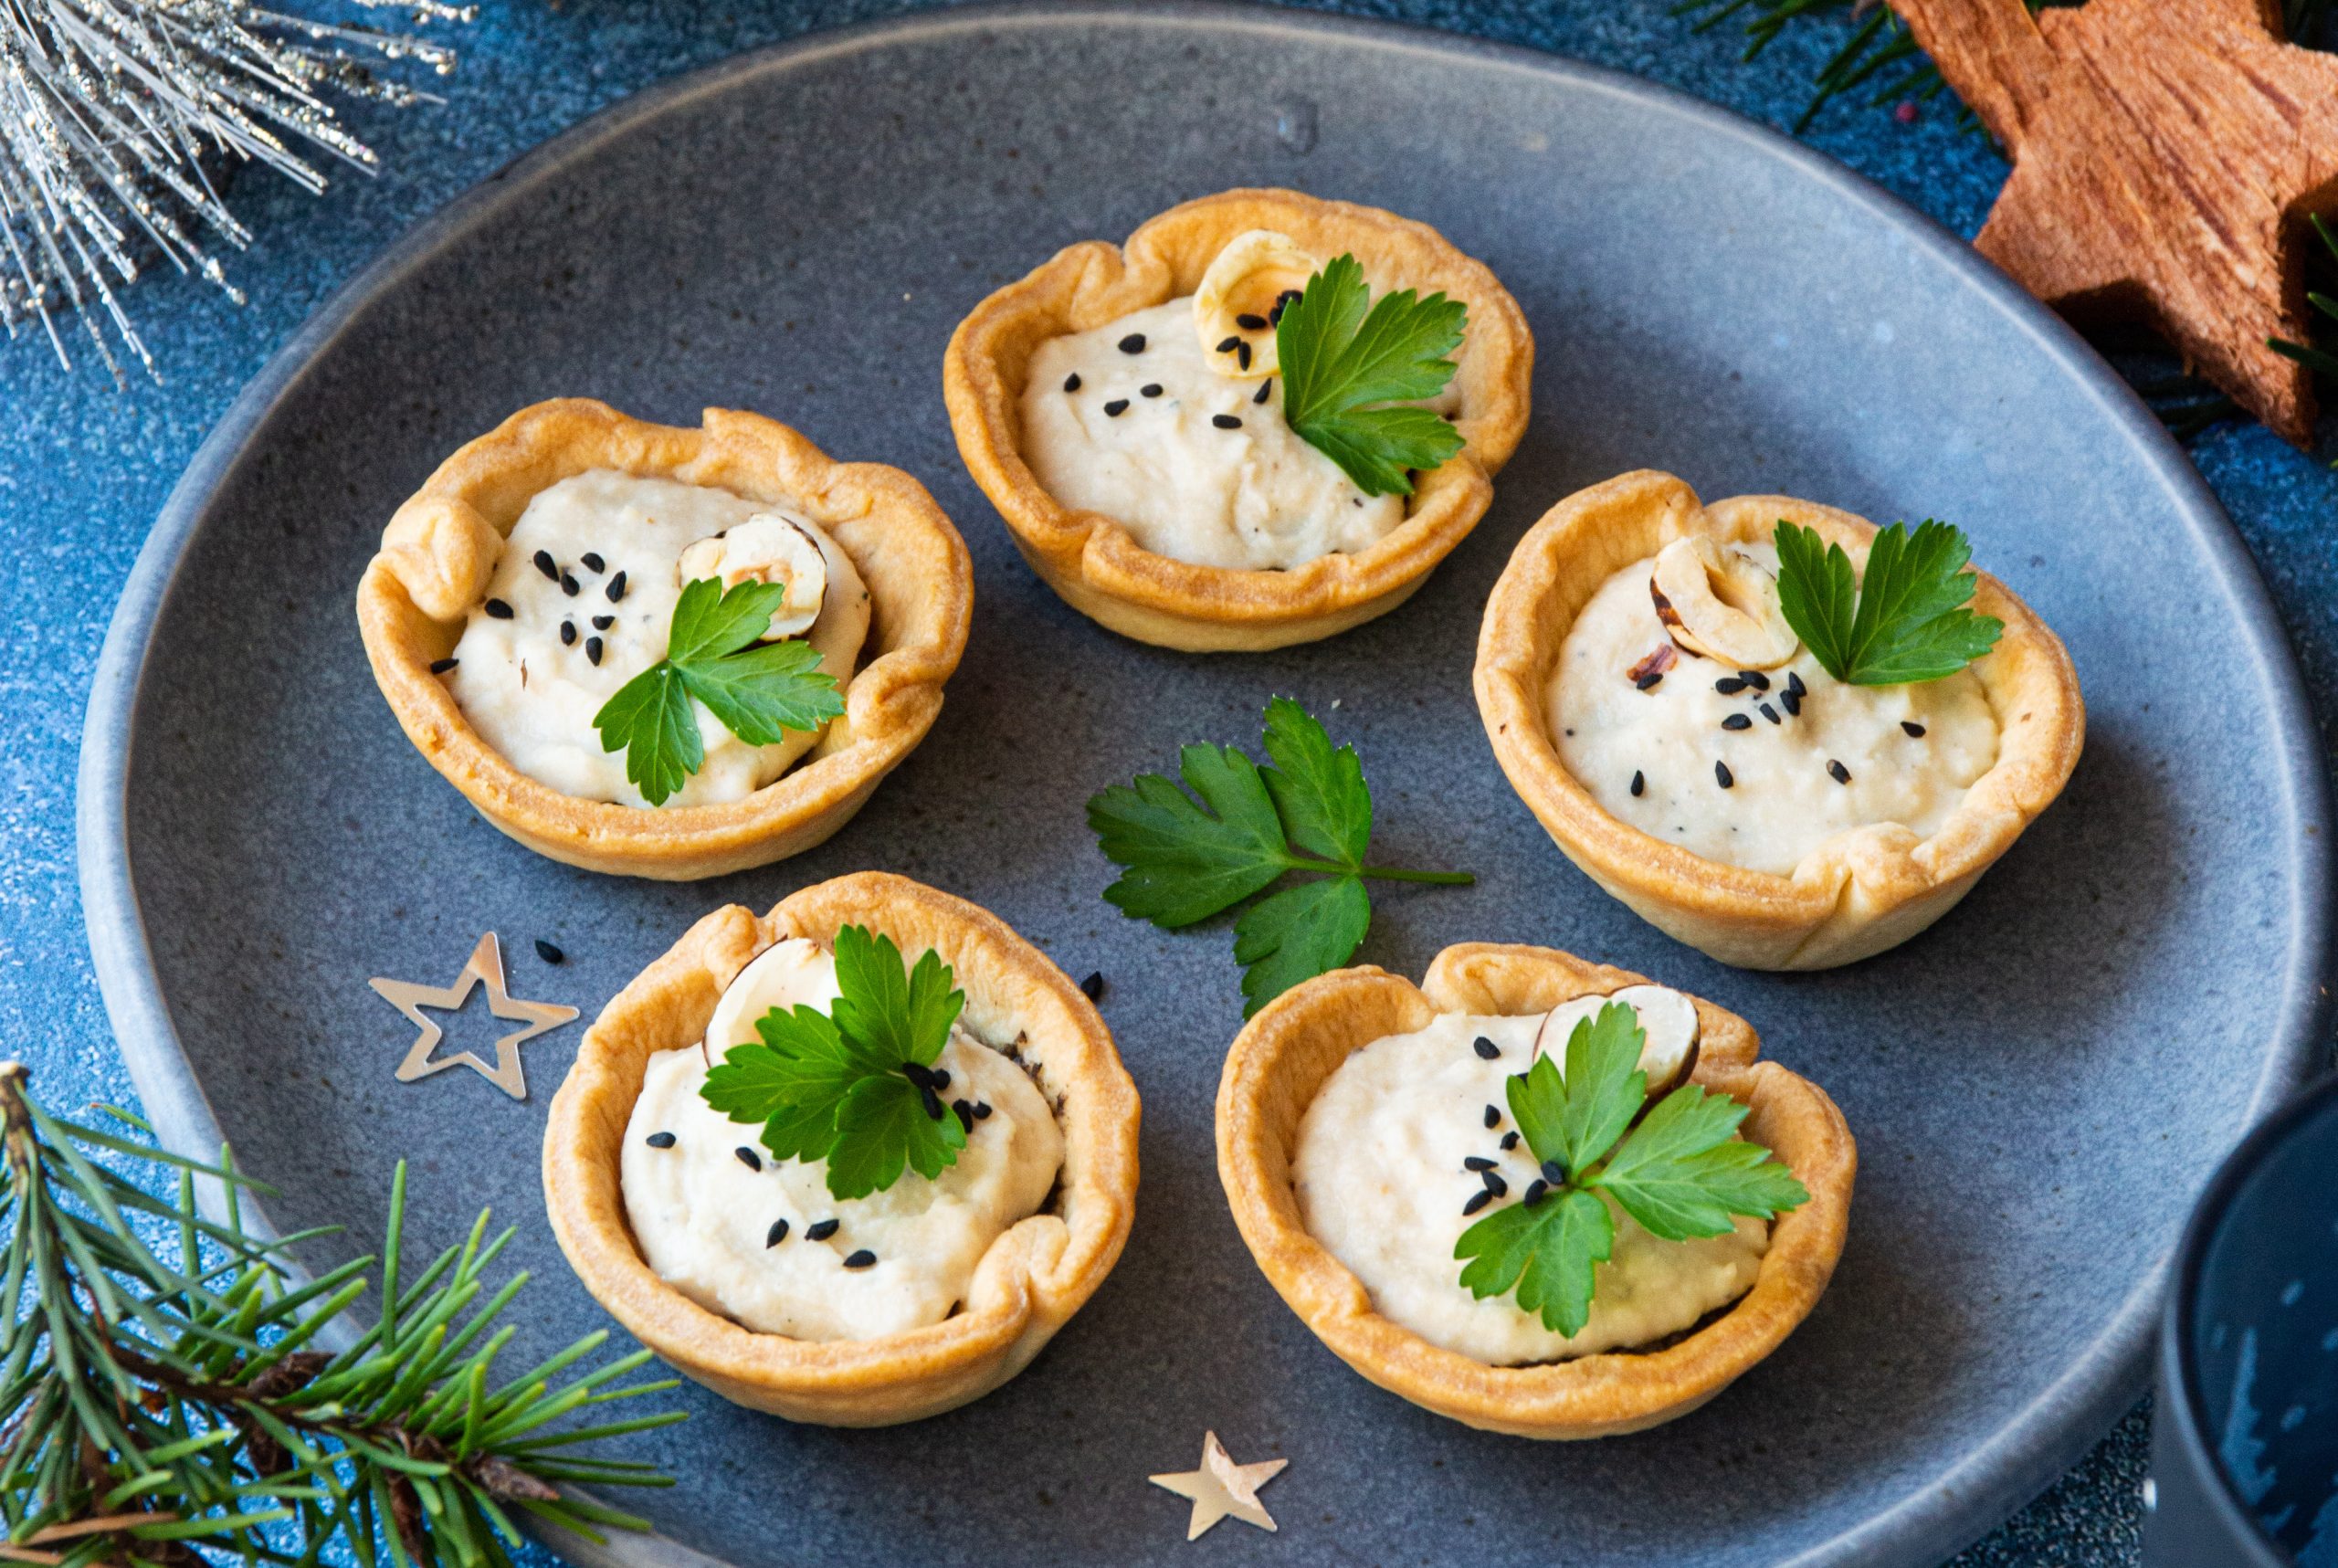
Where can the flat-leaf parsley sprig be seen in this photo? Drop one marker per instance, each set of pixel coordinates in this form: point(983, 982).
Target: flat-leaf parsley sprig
point(1678, 1172)
point(855, 1086)
point(1308, 811)
point(1901, 621)
point(714, 653)
point(1351, 375)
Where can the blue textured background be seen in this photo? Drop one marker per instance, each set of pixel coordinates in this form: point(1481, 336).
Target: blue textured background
point(83, 470)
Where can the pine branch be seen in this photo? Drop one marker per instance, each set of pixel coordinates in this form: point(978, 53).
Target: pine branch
point(157, 1409)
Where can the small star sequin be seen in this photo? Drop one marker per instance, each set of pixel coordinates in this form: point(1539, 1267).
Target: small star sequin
point(1222, 1489)
point(485, 967)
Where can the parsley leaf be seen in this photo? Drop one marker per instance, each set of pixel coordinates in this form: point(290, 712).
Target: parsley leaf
point(851, 1086)
point(1679, 1173)
point(1350, 376)
point(758, 690)
point(1185, 857)
point(1909, 624)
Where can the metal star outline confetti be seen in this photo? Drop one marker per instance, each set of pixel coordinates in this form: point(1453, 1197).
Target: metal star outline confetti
point(1222, 1489)
point(485, 967)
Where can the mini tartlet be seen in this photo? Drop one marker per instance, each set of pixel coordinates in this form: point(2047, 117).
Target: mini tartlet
point(1093, 562)
point(1285, 1055)
point(1032, 1278)
point(441, 551)
point(1858, 893)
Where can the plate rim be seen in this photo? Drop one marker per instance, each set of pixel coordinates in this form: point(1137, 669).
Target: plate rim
point(1975, 1492)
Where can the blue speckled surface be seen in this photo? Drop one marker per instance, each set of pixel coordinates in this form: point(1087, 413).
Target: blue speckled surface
point(83, 470)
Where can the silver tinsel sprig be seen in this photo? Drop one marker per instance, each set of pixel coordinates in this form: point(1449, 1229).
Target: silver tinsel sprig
point(115, 113)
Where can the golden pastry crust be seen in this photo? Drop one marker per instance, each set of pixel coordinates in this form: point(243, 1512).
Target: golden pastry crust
point(1861, 892)
point(1092, 561)
point(1030, 1282)
point(1284, 1055)
point(440, 550)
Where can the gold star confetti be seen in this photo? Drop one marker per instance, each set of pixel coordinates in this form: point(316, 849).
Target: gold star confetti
point(1222, 1489)
point(485, 967)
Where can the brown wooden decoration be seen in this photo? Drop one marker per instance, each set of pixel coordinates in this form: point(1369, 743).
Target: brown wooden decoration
point(2166, 155)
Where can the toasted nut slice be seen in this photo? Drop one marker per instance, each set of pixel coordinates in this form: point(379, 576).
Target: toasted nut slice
point(1720, 604)
point(1667, 1018)
point(767, 548)
point(1246, 284)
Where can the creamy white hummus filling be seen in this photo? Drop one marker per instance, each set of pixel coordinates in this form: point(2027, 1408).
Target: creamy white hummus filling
point(1380, 1183)
point(544, 650)
point(1754, 774)
point(762, 1241)
point(1130, 420)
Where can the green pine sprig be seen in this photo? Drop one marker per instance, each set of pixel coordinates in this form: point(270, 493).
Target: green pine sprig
point(161, 1406)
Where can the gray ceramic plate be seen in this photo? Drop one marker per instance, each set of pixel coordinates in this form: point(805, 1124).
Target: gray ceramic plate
point(2039, 1084)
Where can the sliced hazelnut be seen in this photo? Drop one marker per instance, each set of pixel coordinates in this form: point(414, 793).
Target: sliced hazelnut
point(1721, 603)
point(1240, 297)
point(767, 548)
point(1668, 1022)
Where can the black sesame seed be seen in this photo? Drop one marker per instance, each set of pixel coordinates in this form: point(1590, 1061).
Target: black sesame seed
point(1150, 389)
point(1915, 730)
point(1274, 317)
point(1477, 1162)
point(441, 666)
point(568, 633)
point(933, 1107)
point(569, 586)
point(1478, 1200)
point(1729, 686)
point(1266, 389)
point(942, 1080)
point(547, 565)
point(776, 1234)
point(1494, 1184)
point(1487, 1050)
point(1754, 678)
point(1737, 721)
point(861, 1260)
point(1287, 296)
point(615, 590)
point(1722, 776)
point(1242, 355)
point(1114, 409)
point(1554, 1173)
point(593, 562)
point(982, 1110)
point(1093, 986)
point(499, 609)
point(1250, 323)
point(1229, 345)
point(593, 650)
point(919, 1074)
point(1650, 681)
point(1794, 685)
point(1838, 771)
point(1226, 421)
point(1509, 1140)
point(1791, 701)
point(1639, 783)
point(965, 1110)
point(1535, 1191)
point(1071, 382)
point(749, 1158)
point(1770, 714)
point(821, 1231)
point(549, 953)
point(602, 623)
point(659, 1140)
point(1493, 1117)
point(1133, 344)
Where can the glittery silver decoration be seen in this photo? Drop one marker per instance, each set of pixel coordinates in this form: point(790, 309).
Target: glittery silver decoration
point(110, 111)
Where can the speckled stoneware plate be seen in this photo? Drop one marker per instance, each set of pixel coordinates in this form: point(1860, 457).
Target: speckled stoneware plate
point(2039, 1084)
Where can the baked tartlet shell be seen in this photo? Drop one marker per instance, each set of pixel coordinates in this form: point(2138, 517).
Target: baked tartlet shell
point(1092, 561)
point(1030, 1282)
point(1864, 890)
point(440, 550)
point(1284, 1055)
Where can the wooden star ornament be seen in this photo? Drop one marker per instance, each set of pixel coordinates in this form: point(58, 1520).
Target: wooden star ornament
point(1222, 1489)
point(2166, 155)
point(485, 967)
